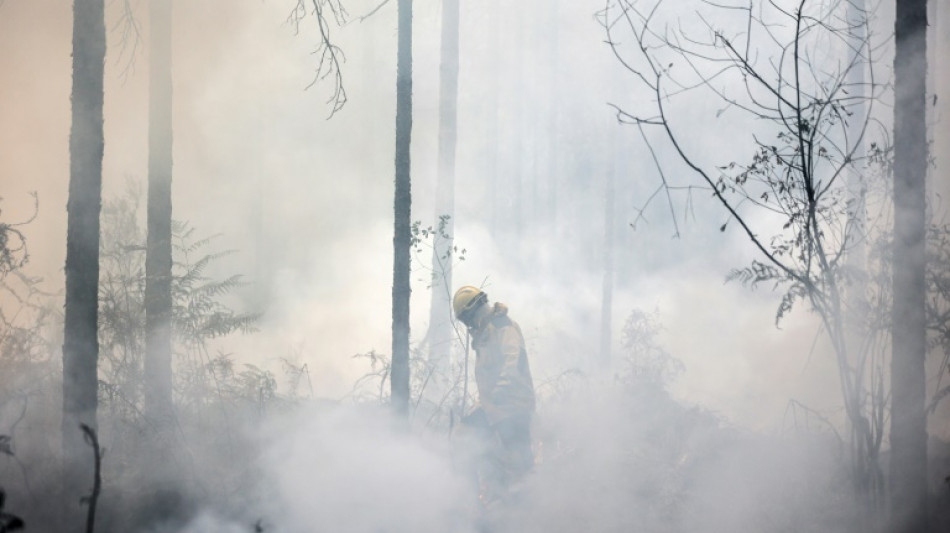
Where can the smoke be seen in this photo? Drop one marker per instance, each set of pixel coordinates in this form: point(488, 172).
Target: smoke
point(611, 456)
point(628, 457)
point(358, 470)
point(209, 523)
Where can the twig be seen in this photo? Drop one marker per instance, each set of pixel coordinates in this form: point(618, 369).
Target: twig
point(92, 499)
point(373, 12)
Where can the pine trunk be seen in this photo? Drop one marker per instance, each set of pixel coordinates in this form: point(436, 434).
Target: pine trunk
point(402, 239)
point(557, 119)
point(80, 339)
point(158, 254)
point(607, 294)
point(908, 467)
point(441, 332)
point(491, 112)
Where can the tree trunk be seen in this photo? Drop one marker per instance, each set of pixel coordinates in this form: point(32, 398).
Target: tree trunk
point(555, 93)
point(492, 109)
point(940, 107)
point(402, 239)
point(607, 294)
point(441, 331)
point(930, 108)
point(908, 466)
point(80, 339)
point(547, 124)
point(158, 254)
point(516, 152)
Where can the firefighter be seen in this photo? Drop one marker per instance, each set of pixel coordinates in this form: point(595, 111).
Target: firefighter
point(505, 390)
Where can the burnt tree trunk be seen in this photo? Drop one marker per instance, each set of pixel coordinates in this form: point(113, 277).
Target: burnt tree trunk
point(80, 339)
point(402, 238)
point(908, 467)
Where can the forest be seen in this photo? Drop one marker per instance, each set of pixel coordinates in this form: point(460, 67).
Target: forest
point(231, 232)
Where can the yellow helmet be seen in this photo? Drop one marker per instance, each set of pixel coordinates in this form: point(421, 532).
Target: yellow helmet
point(466, 300)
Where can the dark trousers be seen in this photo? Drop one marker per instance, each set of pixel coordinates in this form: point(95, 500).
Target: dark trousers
point(506, 454)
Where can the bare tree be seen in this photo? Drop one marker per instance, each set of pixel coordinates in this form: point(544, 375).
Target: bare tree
point(780, 73)
point(908, 419)
point(402, 238)
point(13, 250)
point(80, 346)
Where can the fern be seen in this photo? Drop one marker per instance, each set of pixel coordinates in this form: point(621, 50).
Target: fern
point(199, 313)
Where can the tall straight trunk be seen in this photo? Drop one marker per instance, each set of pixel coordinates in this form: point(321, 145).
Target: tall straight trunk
point(158, 253)
point(527, 106)
point(940, 107)
point(607, 294)
point(931, 91)
point(440, 320)
point(491, 113)
point(545, 41)
point(908, 467)
point(516, 153)
point(555, 94)
point(402, 238)
point(80, 339)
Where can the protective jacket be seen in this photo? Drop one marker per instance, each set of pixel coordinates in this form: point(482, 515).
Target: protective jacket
point(505, 389)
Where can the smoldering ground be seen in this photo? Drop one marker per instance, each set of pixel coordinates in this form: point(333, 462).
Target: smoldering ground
point(613, 455)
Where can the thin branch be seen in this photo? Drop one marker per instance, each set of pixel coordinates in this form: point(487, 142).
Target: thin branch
point(330, 56)
point(93, 498)
point(130, 37)
point(666, 186)
point(373, 11)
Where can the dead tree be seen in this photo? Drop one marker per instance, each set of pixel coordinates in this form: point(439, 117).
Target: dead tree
point(775, 79)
